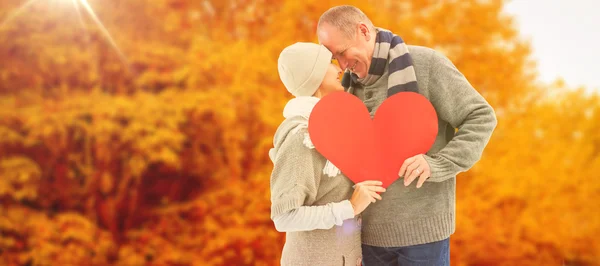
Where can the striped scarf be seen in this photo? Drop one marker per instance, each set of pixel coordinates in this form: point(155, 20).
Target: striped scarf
point(391, 50)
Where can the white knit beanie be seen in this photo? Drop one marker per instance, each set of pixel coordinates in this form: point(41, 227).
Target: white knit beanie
point(302, 67)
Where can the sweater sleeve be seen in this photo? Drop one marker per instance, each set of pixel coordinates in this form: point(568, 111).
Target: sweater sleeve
point(296, 175)
point(458, 103)
point(306, 218)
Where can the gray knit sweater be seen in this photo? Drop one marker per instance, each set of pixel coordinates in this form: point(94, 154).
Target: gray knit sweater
point(409, 215)
point(298, 180)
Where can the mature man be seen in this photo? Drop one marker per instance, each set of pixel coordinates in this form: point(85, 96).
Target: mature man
point(412, 224)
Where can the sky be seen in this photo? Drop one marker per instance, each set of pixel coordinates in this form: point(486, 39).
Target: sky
point(565, 36)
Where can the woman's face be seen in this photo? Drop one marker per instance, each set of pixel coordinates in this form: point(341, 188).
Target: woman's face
point(331, 82)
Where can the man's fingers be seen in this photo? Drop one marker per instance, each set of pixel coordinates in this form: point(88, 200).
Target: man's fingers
point(406, 163)
point(402, 169)
point(422, 178)
point(411, 177)
point(410, 167)
point(411, 174)
point(408, 180)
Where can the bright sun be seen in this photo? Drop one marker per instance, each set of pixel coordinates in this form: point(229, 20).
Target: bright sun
point(78, 4)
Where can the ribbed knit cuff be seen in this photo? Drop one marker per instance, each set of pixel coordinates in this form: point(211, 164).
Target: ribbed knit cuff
point(292, 200)
point(441, 170)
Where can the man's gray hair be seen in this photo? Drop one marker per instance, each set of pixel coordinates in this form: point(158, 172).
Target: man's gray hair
point(345, 18)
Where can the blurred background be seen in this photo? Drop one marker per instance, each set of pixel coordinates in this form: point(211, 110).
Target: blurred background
point(136, 132)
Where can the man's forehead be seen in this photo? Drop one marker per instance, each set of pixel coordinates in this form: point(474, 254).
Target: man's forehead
point(330, 37)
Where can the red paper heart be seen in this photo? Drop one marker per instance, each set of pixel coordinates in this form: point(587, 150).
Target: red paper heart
point(342, 130)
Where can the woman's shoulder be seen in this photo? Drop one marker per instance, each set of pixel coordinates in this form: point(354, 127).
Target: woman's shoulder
point(293, 127)
point(291, 135)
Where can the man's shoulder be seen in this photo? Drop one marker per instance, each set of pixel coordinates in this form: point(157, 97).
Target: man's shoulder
point(425, 57)
point(422, 53)
point(421, 57)
point(424, 60)
point(417, 49)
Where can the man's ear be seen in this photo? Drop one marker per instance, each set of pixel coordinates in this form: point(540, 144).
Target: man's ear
point(363, 31)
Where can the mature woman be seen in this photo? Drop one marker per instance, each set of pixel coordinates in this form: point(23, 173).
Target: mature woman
point(311, 200)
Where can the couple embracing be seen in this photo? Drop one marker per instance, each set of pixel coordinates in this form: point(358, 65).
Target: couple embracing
point(327, 218)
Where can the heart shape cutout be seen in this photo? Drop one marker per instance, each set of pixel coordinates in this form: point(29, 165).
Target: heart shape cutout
point(342, 130)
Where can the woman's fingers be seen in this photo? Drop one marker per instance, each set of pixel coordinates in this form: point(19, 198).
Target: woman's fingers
point(375, 195)
point(370, 183)
point(376, 188)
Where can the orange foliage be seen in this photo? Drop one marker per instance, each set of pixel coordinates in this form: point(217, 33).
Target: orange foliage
point(160, 157)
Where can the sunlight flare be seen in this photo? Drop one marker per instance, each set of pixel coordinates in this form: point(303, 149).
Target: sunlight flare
point(78, 5)
point(16, 13)
point(107, 35)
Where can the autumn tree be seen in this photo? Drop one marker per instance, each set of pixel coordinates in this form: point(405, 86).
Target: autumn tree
point(150, 147)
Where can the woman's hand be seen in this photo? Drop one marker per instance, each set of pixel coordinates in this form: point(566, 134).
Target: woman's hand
point(364, 194)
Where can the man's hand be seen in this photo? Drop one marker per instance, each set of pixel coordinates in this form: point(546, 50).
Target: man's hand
point(414, 167)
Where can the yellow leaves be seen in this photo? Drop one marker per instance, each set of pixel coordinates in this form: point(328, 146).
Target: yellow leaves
point(199, 111)
point(67, 239)
point(132, 257)
point(106, 183)
point(136, 165)
point(9, 136)
point(19, 177)
point(213, 229)
point(208, 136)
point(7, 226)
point(166, 156)
point(531, 181)
point(211, 225)
point(72, 224)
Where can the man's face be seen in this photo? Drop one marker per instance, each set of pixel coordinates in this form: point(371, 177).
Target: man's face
point(351, 53)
